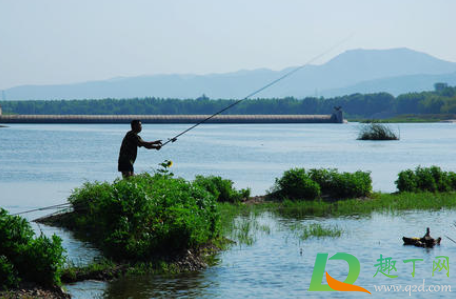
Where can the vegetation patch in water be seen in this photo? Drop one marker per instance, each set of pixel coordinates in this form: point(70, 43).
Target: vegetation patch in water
point(376, 131)
point(432, 179)
point(316, 230)
point(379, 202)
point(145, 216)
point(26, 258)
point(297, 184)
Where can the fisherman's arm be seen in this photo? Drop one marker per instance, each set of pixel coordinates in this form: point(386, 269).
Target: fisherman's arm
point(151, 145)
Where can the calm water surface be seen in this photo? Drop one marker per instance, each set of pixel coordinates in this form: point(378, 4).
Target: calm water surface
point(41, 164)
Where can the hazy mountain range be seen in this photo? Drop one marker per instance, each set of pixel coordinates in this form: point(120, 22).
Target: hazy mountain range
point(395, 71)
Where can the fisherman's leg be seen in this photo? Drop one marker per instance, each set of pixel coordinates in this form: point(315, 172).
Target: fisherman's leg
point(127, 174)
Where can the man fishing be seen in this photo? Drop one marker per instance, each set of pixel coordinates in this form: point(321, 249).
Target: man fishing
point(129, 148)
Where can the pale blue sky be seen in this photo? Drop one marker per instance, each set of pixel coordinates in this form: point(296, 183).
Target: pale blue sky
point(65, 41)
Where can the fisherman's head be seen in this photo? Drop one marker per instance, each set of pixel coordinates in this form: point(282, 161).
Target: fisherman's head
point(136, 125)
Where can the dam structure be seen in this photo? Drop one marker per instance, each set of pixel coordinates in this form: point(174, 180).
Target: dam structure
point(336, 117)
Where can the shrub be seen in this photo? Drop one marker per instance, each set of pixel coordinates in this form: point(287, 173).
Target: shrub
point(452, 180)
point(407, 181)
point(27, 258)
point(222, 189)
point(8, 274)
point(376, 131)
point(425, 179)
point(431, 179)
point(299, 184)
point(296, 184)
point(355, 184)
point(45, 257)
point(145, 215)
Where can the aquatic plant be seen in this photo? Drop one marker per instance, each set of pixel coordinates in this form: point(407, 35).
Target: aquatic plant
point(306, 231)
point(379, 202)
point(25, 257)
point(297, 183)
point(432, 179)
point(376, 131)
point(221, 188)
point(145, 215)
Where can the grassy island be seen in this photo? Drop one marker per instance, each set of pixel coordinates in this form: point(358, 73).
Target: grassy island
point(148, 223)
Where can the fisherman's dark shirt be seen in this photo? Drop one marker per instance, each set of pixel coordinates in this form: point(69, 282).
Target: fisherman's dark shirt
point(129, 148)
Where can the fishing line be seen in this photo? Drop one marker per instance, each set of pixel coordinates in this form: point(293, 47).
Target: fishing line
point(259, 90)
point(76, 205)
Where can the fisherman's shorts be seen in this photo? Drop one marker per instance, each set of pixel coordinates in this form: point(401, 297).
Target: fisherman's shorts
point(125, 166)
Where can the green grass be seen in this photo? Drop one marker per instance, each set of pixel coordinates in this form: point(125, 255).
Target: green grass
point(316, 230)
point(379, 202)
point(240, 223)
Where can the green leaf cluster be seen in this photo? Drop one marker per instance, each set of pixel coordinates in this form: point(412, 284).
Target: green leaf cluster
point(26, 258)
point(221, 188)
point(432, 179)
point(145, 215)
point(297, 183)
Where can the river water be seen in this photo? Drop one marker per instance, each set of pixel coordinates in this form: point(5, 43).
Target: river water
point(41, 164)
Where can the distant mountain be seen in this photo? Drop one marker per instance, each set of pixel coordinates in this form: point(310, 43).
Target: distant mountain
point(394, 85)
point(394, 70)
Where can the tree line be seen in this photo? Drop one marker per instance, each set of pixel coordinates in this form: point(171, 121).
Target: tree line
point(442, 100)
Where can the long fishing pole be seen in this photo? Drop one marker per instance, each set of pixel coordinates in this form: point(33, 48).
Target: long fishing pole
point(42, 209)
point(258, 90)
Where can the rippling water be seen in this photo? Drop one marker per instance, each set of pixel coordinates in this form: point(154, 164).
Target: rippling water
point(41, 164)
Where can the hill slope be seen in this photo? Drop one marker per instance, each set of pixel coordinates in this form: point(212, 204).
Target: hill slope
point(394, 70)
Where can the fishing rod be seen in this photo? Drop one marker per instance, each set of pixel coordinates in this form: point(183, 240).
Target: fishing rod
point(42, 209)
point(258, 90)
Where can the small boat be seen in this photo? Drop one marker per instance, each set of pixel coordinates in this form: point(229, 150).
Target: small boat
point(426, 241)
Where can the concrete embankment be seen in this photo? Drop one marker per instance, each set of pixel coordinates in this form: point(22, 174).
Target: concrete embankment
point(172, 119)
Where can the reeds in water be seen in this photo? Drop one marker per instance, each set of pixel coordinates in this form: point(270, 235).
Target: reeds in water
point(316, 230)
point(376, 131)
